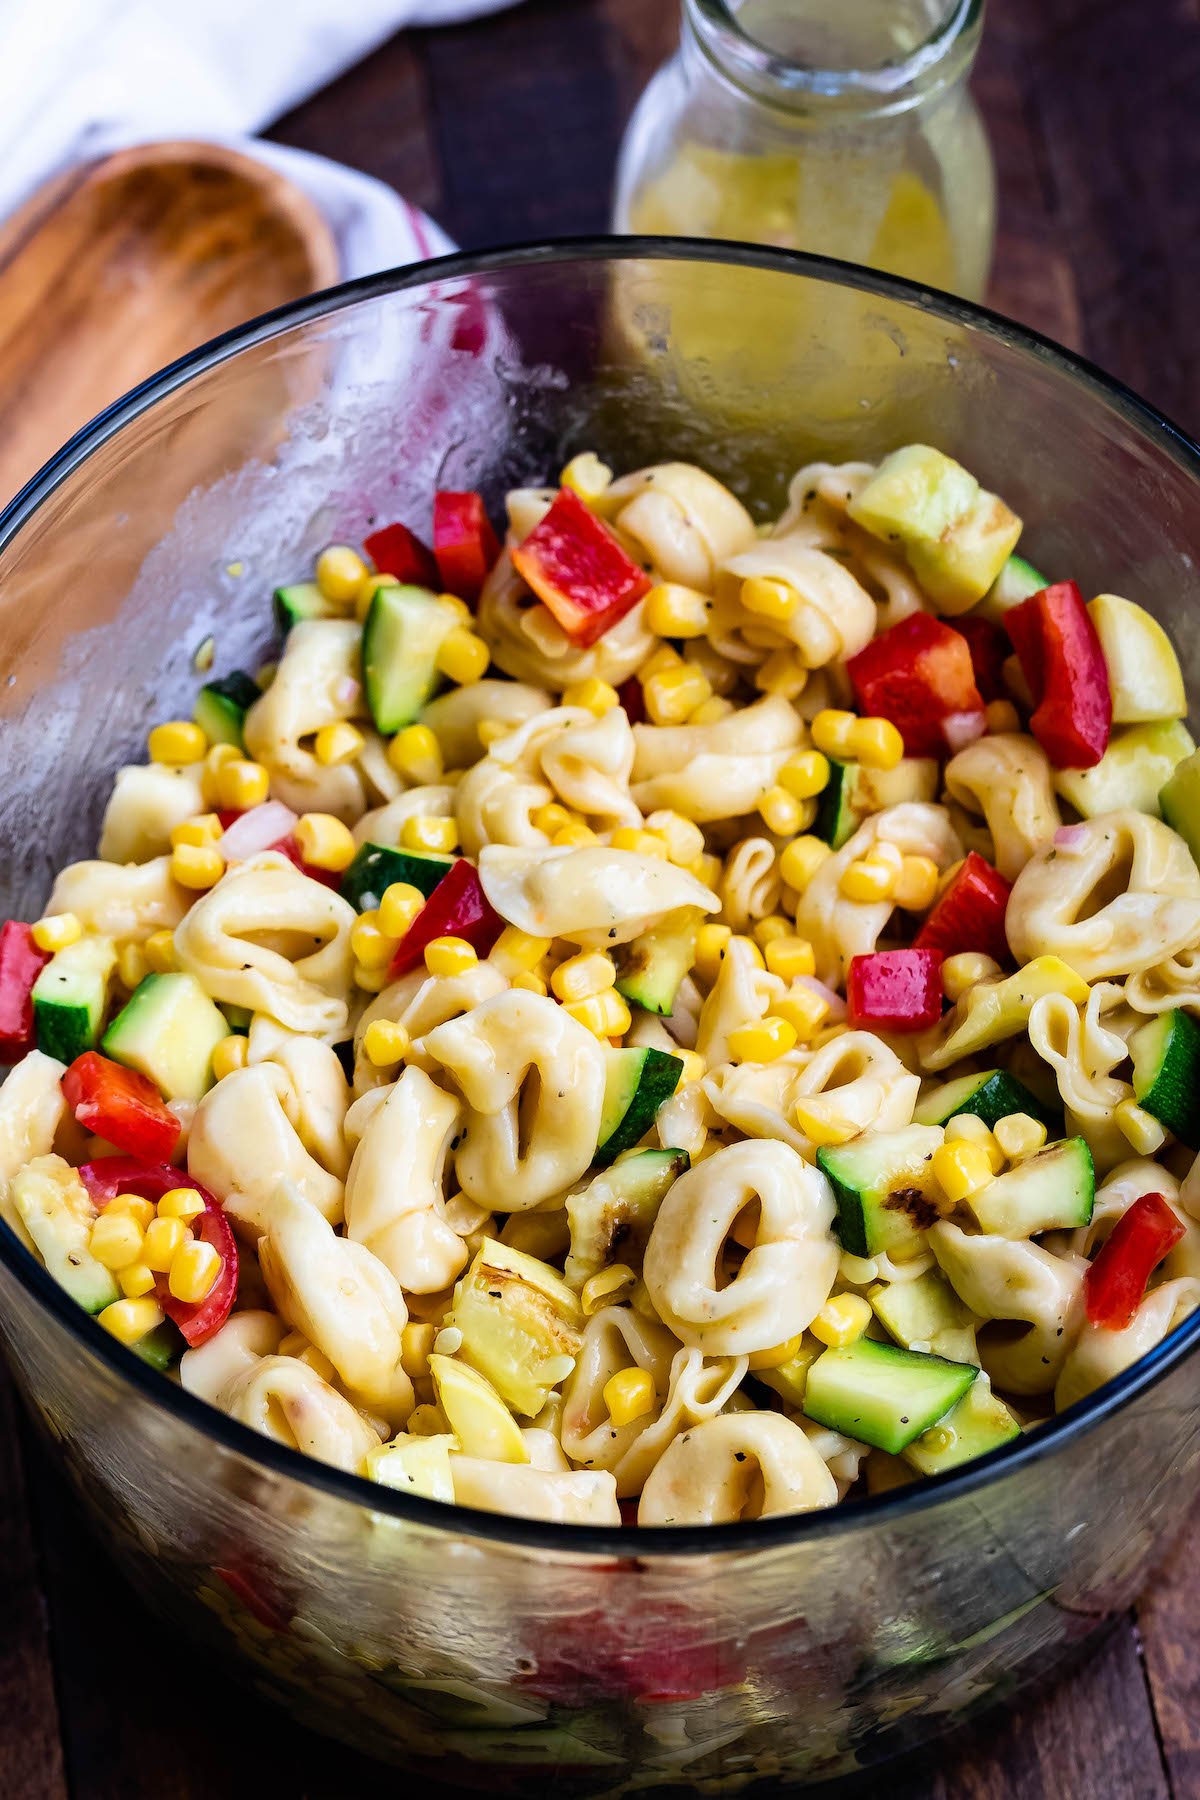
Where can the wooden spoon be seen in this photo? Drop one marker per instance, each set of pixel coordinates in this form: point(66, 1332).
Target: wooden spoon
point(118, 267)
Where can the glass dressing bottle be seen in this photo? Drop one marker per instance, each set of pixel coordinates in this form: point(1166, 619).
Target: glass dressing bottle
point(838, 126)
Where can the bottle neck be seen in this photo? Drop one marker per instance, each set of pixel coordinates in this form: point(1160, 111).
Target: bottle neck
point(865, 57)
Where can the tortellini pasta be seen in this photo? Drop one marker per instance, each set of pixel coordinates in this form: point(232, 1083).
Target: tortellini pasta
point(592, 896)
point(318, 683)
point(1008, 779)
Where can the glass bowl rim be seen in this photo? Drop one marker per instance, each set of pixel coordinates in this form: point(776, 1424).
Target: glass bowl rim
point(644, 1543)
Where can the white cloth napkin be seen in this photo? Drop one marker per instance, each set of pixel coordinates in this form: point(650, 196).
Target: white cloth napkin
point(81, 78)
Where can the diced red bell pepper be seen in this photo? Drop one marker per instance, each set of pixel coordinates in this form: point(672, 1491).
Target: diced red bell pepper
point(633, 699)
point(970, 914)
point(1115, 1282)
point(1062, 660)
point(285, 846)
point(109, 1176)
point(21, 962)
point(919, 675)
point(122, 1106)
point(989, 648)
point(464, 543)
point(395, 550)
point(895, 990)
point(573, 563)
point(457, 907)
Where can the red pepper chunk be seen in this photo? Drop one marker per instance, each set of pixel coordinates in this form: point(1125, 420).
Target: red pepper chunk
point(919, 675)
point(970, 914)
point(109, 1176)
point(1115, 1283)
point(463, 543)
point(633, 700)
point(21, 962)
point(895, 990)
point(457, 907)
point(1062, 660)
point(989, 649)
point(395, 550)
point(576, 566)
point(121, 1106)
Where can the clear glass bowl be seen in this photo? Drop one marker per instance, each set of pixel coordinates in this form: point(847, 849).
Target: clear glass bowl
point(472, 1647)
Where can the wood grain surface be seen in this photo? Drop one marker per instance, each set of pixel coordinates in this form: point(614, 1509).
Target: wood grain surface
point(506, 130)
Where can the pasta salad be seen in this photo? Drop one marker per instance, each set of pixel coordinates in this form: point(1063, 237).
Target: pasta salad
point(664, 1019)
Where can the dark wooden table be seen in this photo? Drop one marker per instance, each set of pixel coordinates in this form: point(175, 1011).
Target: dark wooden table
point(507, 130)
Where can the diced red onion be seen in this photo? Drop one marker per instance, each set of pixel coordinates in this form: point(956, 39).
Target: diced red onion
point(257, 830)
point(1067, 836)
point(837, 1006)
point(962, 728)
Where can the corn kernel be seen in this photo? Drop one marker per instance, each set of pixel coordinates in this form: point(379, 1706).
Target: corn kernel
point(214, 762)
point(707, 868)
point(831, 732)
point(132, 966)
point(399, 906)
point(805, 774)
point(324, 842)
point(629, 1395)
point(790, 956)
point(449, 956)
point(372, 981)
point(606, 1015)
point(1002, 715)
point(196, 868)
point(694, 1067)
point(193, 1273)
point(574, 836)
point(463, 657)
point(800, 860)
point(1019, 1135)
point(229, 1055)
point(969, 1128)
point(130, 1320)
point(586, 476)
point(875, 743)
point(665, 657)
point(710, 710)
point(595, 696)
point(605, 1288)
point(1140, 1129)
point(336, 744)
point(181, 1203)
point(916, 887)
point(529, 983)
point(821, 1126)
point(367, 589)
point(553, 817)
point(777, 1355)
point(416, 1341)
point(782, 673)
point(159, 952)
point(385, 1042)
point(116, 1240)
point(177, 742)
point(672, 695)
point(961, 1169)
point(135, 1280)
point(516, 950)
point(711, 943)
point(340, 572)
point(56, 931)
point(966, 969)
point(804, 1009)
point(241, 784)
point(372, 947)
point(842, 1320)
point(763, 1042)
point(130, 1206)
point(204, 828)
point(642, 843)
point(683, 838)
point(674, 611)
point(783, 814)
point(769, 599)
point(164, 1239)
point(582, 976)
point(424, 831)
point(769, 930)
point(868, 880)
point(416, 754)
point(764, 637)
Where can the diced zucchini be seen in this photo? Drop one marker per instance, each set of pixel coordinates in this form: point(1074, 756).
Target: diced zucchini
point(650, 969)
point(1179, 802)
point(303, 600)
point(415, 1465)
point(168, 1029)
point(376, 867)
point(1018, 580)
point(521, 1325)
point(1166, 1072)
point(70, 996)
point(1051, 1191)
point(926, 1314)
point(979, 1423)
point(221, 707)
point(854, 792)
point(991, 1095)
point(882, 1182)
point(837, 821)
point(406, 627)
point(1143, 669)
point(956, 535)
point(162, 1347)
point(637, 1082)
point(1138, 763)
point(882, 1395)
point(58, 1213)
point(611, 1218)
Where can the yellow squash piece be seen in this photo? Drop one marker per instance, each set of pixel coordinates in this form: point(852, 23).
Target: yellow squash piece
point(479, 1418)
point(993, 1010)
point(521, 1324)
point(1143, 669)
point(415, 1465)
point(956, 536)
